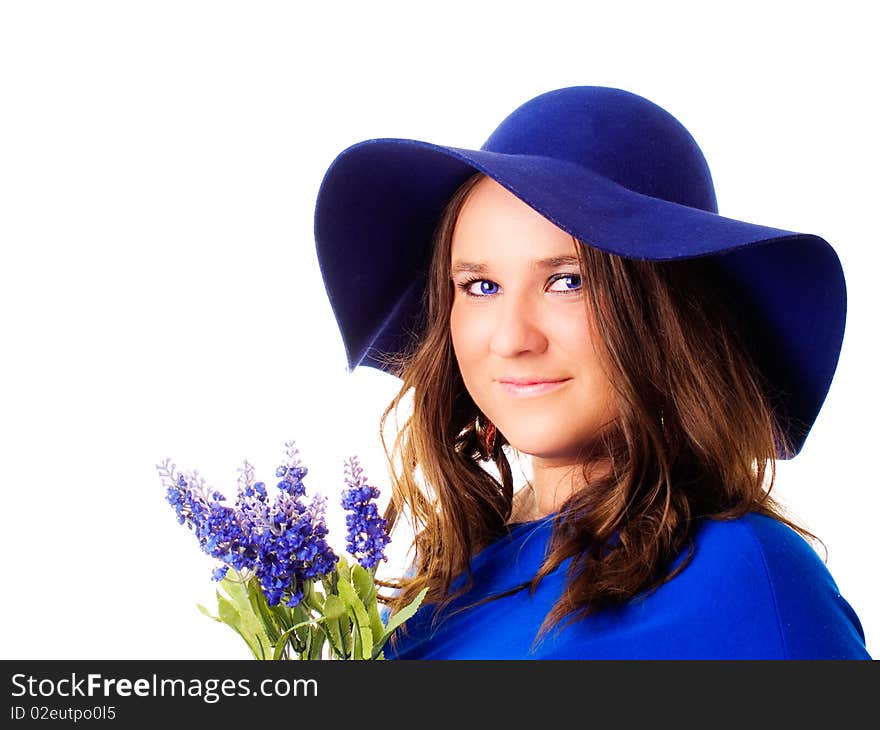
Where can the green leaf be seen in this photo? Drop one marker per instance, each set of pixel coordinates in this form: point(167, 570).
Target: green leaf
point(334, 607)
point(236, 588)
point(334, 637)
point(228, 612)
point(208, 613)
point(398, 618)
point(317, 646)
point(329, 583)
point(376, 625)
point(345, 630)
point(362, 580)
point(281, 644)
point(230, 616)
point(260, 608)
point(249, 625)
point(283, 616)
point(406, 612)
point(363, 635)
point(357, 651)
point(364, 585)
point(288, 635)
point(301, 632)
point(343, 570)
point(312, 597)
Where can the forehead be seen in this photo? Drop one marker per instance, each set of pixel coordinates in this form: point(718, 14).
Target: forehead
point(495, 225)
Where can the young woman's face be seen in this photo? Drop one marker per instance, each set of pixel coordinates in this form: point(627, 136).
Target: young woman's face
point(518, 317)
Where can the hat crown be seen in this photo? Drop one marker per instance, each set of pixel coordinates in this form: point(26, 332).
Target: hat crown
point(617, 134)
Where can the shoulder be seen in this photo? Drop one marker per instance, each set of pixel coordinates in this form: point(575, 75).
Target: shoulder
point(758, 569)
point(753, 537)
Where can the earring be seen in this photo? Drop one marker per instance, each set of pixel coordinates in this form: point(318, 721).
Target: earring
point(486, 437)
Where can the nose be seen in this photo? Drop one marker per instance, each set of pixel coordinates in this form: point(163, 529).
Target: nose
point(517, 328)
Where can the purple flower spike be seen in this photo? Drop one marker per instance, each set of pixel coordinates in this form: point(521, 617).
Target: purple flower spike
point(367, 535)
point(281, 541)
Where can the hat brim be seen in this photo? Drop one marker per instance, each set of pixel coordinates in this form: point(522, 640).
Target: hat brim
point(380, 200)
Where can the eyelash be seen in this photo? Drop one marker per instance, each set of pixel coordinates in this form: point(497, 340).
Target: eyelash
point(466, 285)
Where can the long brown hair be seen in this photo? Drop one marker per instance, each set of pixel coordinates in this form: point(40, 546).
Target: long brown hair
point(695, 438)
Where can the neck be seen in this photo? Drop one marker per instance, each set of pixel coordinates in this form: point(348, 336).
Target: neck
point(553, 482)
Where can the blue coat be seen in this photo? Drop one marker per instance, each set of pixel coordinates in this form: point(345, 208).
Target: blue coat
point(754, 589)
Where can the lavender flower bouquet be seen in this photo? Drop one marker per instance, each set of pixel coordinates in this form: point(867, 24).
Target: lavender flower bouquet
point(287, 594)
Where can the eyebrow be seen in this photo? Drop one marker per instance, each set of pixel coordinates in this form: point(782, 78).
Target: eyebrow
point(481, 267)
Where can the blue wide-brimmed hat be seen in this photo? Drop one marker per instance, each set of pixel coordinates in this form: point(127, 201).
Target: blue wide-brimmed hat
point(615, 171)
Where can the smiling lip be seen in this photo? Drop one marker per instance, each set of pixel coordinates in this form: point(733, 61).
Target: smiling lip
point(526, 386)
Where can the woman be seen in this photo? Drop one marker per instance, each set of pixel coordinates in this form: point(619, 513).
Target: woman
point(569, 292)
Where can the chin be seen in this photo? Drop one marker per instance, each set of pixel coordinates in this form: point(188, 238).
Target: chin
point(543, 448)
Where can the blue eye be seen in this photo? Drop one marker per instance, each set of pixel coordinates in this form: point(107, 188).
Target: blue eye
point(575, 278)
point(486, 287)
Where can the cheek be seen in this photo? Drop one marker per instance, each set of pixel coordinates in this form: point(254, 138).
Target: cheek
point(593, 370)
point(471, 336)
point(468, 337)
point(576, 336)
point(579, 329)
point(574, 330)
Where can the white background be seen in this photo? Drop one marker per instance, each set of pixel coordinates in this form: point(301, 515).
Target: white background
point(160, 295)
